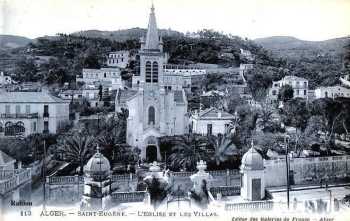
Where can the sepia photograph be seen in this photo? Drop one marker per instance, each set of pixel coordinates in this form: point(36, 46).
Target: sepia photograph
point(235, 110)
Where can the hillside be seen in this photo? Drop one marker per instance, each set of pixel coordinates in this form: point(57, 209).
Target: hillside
point(321, 62)
point(125, 34)
point(291, 47)
point(13, 41)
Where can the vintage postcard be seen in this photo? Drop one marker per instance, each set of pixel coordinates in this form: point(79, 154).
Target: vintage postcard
point(235, 110)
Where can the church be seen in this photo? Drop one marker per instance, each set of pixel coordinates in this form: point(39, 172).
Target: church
point(157, 103)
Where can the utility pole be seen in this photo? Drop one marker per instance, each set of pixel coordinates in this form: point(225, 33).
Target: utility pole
point(44, 176)
point(287, 168)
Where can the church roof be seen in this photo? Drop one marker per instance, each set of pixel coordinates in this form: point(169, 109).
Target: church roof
point(4, 158)
point(214, 113)
point(152, 37)
point(123, 95)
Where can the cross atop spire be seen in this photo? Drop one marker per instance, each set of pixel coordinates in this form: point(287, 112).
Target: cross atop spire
point(152, 37)
point(152, 8)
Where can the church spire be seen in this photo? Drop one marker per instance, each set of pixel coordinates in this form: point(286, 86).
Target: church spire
point(152, 37)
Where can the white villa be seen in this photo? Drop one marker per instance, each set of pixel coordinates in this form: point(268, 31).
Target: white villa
point(118, 59)
point(25, 113)
point(107, 77)
point(300, 87)
point(187, 72)
point(332, 92)
point(211, 122)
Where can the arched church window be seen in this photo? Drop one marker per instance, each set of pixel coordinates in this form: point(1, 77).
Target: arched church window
point(148, 71)
point(155, 72)
point(151, 115)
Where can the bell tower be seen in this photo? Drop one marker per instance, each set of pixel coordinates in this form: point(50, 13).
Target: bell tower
point(151, 56)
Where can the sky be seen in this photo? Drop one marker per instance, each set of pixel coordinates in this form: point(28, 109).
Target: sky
point(305, 19)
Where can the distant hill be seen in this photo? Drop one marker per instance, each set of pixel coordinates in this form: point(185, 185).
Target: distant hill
point(123, 35)
point(291, 47)
point(13, 41)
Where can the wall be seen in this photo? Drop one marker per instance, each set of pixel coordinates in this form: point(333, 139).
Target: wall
point(307, 170)
point(200, 126)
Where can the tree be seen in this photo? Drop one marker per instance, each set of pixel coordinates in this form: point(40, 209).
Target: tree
point(285, 93)
point(296, 113)
point(186, 151)
point(265, 116)
point(111, 135)
point(26, 70)
point(330, 112)
point(224, 148)
point(77, 147)
point(100, 92)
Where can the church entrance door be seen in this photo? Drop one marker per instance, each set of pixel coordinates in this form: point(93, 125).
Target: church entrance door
point(151, 153)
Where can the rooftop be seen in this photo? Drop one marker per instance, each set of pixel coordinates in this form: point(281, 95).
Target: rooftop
point(4, 158)
point(214, 113)
point(293, 78)
point(29, 97)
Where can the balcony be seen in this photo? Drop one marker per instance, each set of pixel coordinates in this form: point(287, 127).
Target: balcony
point(19, 116)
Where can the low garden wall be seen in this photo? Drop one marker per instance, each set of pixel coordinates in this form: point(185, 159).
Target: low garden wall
point(307, 170)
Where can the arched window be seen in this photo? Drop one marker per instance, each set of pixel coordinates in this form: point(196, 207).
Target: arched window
point(148, 72)
point(155, 72)
point(9, 129)
point(1, 128)
point(14, 129)
point(19, 127)
point(151, 115)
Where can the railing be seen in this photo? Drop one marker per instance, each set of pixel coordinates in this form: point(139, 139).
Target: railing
point(224, 172)
point(23, 175)
point(251, 206)
point(20, 116)
point(6, 174)
point(125, 197)
point(19, 177)
point(70, 180)
point(182, 174)
point(123, 177)
point(64, 180)
point(226, 190)
point(214, 173)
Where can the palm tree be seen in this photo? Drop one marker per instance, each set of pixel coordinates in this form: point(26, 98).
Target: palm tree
point(111, 136)
point(187, 150)
point(224, 148)
point(77, 148)
point(265, 115)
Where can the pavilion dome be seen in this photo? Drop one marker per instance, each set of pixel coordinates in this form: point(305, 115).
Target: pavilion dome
point(252, 160)
point(98, 165)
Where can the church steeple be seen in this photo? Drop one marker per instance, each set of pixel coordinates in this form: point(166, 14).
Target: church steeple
point(152, 38)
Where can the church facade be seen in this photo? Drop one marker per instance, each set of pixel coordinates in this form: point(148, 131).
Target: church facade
point(157, 104)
